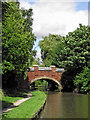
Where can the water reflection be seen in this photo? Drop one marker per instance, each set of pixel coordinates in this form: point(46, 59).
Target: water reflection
point(66, 105)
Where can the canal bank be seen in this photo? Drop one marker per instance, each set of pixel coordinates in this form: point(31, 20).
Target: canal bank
point(29, 108)
point(37, 114)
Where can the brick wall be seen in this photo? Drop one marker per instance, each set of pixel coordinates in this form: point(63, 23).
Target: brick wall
point(44, 73)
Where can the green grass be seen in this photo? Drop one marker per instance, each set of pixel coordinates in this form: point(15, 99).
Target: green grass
point(28, 108)
point(9, 99)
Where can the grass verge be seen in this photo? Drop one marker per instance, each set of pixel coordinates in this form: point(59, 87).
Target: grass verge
point(8, 100)
point(28, 108)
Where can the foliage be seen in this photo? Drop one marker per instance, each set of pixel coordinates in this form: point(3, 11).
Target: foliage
point(70, 52)
point(41, 85)
point(75, 52)
point(17, 41)
point(47, 48)
point(36, 61)
point(75, 55)
point(28, 108)
point(82, 81)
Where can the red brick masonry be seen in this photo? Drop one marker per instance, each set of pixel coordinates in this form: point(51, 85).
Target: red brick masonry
point(42, 72)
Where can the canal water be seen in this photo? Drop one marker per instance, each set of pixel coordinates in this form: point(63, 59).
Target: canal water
point(65, 105)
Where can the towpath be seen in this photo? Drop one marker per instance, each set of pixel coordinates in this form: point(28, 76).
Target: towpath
point(15, 104)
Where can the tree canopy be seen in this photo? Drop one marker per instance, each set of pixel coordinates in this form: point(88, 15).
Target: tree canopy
point(70, 52)
point(48, 46)
point(17, 40)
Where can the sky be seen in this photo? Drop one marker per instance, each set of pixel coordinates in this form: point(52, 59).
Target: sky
point(56, 17)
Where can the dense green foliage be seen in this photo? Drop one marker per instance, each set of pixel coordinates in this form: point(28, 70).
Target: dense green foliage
point(17, 42)
point(41, 85)
point(70, 52)
point(75, 52)
point(28, 108)
point(82, 81)
point(48, 46)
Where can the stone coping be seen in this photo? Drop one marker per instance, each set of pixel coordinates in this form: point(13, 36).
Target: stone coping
point(47, 68)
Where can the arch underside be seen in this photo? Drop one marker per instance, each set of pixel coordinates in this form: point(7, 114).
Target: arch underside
point(45, 78)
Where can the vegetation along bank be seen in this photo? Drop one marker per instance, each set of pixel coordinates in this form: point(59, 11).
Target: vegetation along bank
point(29, 108)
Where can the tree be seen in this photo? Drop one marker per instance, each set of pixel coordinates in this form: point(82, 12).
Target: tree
point(70, 52)
point(17, 42)
point(74, 56)
point(82, 81)
point(47, 45)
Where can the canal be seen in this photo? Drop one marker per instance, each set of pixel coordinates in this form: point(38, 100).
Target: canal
point(65, 105)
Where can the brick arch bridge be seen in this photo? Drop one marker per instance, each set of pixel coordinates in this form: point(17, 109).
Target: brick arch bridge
point(45, 73)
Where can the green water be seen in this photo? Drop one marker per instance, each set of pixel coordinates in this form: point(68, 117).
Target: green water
point(65, 105)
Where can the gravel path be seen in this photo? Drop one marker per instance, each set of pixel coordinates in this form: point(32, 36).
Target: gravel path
point(17, 103)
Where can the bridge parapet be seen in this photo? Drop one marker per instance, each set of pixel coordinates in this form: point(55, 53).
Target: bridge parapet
point(51, 68)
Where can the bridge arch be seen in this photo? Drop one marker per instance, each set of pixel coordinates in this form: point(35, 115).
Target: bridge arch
point(45, 78)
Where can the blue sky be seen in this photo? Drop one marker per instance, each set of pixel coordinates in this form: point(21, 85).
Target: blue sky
point(81, 6)
point(36, 47)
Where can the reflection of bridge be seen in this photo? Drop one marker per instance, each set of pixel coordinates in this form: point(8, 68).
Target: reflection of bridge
point(50, 74)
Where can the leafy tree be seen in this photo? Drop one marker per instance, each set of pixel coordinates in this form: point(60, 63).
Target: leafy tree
point(75, 52)
point(36, 62)
point(17, 42)
point(82, 81)
point(73, 55)
point(47, 48)
point(27, 15)
point(70, 52)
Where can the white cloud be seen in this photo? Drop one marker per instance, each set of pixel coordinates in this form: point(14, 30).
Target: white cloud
point(25, 5)
point(55, 17)
point(38, 54)
point(29, 0)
